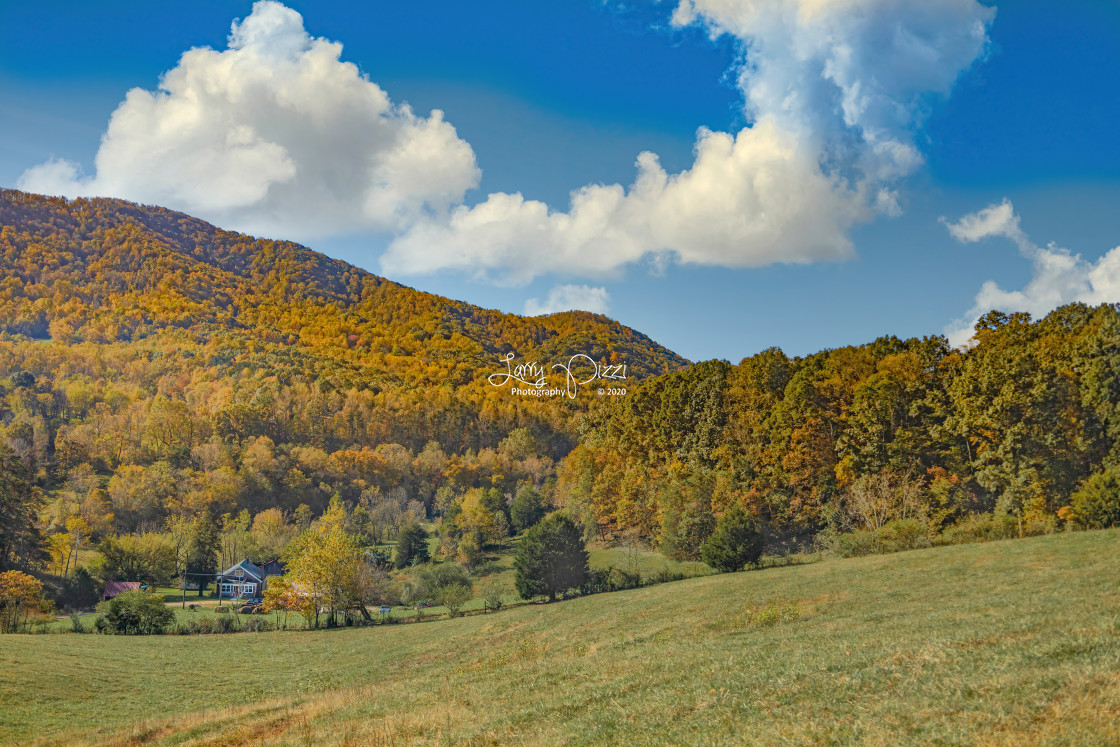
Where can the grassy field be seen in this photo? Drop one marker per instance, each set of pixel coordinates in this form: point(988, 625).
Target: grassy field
point(1013, 642)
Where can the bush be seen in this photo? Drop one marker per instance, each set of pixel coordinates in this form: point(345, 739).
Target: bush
point(76, 623)
point(256, 625)
point(453, 597)
point(735, 543)
point(894, 536)
point(1096, 503)
point(611, 578)
point(201, 626)
point(621, 579)
point(134, 613)
point(905, 534)
point(493, 592)
point(218, 625)
point(992, 527)
point(447, 584)
point(597, 581)
point(551, 558)
point(663, 575)
point(980, 528)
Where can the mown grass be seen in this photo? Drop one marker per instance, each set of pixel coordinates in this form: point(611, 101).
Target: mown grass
point(1014, 642)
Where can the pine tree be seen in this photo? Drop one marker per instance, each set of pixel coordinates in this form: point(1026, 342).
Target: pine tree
point(202, 555)
point(736, 542)
point(551, 558)
point(412, 546)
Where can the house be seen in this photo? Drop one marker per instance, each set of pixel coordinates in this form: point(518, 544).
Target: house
point(245, 579)
point(112, 588)
point(274, 568)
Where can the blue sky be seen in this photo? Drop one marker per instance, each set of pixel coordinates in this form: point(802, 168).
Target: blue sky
point(550, 97)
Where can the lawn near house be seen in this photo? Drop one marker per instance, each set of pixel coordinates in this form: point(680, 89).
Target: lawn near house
point(1011, 642)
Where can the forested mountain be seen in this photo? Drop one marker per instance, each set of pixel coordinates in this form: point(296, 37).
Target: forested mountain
point(107, 270)
point(155, 367)
point(859, 437)
point(166, 384)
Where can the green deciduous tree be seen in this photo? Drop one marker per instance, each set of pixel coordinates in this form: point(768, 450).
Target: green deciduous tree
point(327, 570)
point(148, 558)
point(526, 509)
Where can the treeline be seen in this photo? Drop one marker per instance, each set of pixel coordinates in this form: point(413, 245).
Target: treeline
point(856, 439)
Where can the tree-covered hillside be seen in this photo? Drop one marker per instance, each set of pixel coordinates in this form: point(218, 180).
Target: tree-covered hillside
point(895, 436)
point(155, 369)
point(169, 384)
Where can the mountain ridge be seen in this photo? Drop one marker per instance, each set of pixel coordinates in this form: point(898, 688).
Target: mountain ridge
point(100, 256)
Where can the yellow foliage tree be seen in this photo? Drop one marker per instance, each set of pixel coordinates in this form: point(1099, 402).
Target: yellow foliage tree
point(21, 596)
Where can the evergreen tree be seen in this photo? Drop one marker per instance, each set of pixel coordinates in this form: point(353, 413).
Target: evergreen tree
point(21, 544)
point(1096, 504)
point(736, 542)
point(412, 545)
point(202, 553)
point(551, 558)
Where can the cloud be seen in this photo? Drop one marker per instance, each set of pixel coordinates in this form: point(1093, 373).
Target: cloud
point(274, 135)
point(747, 201)
point(568, 298)
point(277, 135)
point(836, 90)
point(994, 220)
point(1058, 276)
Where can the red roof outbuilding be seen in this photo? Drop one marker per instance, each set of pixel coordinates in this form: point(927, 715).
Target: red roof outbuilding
point(112, 588)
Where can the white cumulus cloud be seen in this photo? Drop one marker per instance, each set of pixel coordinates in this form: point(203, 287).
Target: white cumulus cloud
point(276, 135)
point(748, 200)
point(569, 298)
point(836, 90)
point(1058, 276)
point(994, 220)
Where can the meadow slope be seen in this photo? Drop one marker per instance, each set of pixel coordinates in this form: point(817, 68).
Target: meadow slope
point(1004, 643)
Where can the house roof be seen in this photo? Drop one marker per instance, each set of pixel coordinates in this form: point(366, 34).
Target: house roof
point(249, 569)
point(112, 588)
point(274, 568)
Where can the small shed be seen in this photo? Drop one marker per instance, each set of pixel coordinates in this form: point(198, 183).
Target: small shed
point(112, 588)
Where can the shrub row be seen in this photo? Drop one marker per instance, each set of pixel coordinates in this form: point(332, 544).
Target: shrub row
point(913, 534)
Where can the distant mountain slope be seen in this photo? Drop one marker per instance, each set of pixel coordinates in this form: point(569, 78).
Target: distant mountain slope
point(104, 270)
